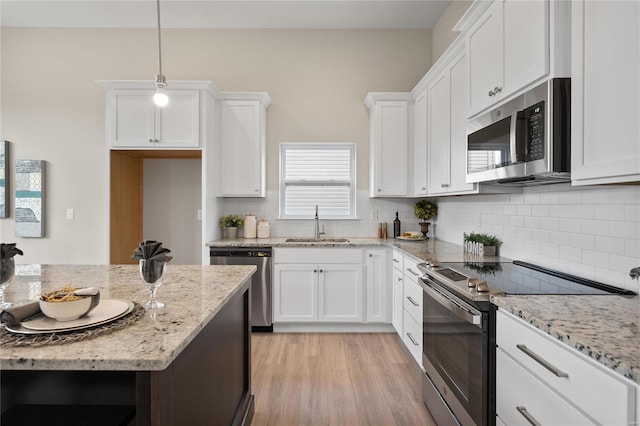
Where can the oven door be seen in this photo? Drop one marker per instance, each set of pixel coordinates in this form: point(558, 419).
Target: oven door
point(455, 352)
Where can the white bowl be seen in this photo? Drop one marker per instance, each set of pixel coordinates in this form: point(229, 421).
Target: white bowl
point(66, 311)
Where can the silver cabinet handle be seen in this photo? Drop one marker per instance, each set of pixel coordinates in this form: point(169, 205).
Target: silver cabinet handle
point(315, 270)
point(370, 255)
point(396, 260)
point(413, 302)
point(497, 90)
point(399, 279)
point(537, 358)
point(412, 339)
point(491, 93)
point(151, 140)
point(413, 272)
point(379, 189)
point(321, 271)
point(523, 410)
point(424, 188)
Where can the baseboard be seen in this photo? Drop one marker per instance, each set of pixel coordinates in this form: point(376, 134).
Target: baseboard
point(332, 328)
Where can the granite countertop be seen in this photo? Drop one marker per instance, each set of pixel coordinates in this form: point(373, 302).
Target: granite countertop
point(605, 328)
point(192, 295)
point(430, 249)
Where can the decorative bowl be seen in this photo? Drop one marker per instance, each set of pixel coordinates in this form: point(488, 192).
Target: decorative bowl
point(68, 310)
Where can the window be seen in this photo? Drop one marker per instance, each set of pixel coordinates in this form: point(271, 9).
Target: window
point(320, 174)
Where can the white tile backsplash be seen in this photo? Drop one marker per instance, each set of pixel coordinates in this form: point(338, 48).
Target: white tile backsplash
point(592, 232)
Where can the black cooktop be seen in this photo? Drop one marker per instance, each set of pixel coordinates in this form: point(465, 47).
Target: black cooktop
point(519, 277)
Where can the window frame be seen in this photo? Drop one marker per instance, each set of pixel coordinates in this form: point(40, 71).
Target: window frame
point(351, 183)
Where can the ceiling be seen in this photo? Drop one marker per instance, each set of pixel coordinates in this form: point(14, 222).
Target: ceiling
point(223, 13)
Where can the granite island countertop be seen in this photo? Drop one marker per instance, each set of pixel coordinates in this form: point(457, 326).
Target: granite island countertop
point(192, 294)
point(604, 328)
point(429, 249)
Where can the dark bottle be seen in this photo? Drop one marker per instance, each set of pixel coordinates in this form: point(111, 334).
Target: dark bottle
point(396, 227)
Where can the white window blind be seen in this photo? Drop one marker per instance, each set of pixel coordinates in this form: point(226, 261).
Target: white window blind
point(320, 174)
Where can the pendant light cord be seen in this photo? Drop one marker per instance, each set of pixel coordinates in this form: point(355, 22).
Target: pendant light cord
point(159, 41)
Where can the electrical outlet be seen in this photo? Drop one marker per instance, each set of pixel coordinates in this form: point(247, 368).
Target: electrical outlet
point(199, 214)
point(70, 214)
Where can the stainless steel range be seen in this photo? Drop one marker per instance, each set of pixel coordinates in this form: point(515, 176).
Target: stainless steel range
point(459, 338)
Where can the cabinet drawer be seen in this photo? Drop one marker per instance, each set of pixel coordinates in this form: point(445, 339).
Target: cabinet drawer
point(412, 336)
point(411, 268)
point(397, 260)
point(589, 386)
point(517, 390)
point(317, 255)
point(412, 299)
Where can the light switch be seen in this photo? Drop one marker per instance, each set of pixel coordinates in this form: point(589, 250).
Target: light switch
point(69, 213)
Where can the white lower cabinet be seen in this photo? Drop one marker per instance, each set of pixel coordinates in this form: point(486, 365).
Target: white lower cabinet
point(397, 305)
point(545, 379)
point(412, 309)
point(318, 285)
point(377, 286)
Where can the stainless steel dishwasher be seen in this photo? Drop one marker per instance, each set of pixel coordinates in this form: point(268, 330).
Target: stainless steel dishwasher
point(261, 317)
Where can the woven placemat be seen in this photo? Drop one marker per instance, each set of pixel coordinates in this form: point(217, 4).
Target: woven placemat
point(10, 339)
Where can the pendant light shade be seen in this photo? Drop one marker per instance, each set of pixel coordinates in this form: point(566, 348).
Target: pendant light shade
point(160, 98)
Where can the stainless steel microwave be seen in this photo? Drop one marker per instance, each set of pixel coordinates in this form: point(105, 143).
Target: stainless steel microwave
point(526, 141)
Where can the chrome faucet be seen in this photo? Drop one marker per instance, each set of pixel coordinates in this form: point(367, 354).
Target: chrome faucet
point(317, 230)
point(635, 273)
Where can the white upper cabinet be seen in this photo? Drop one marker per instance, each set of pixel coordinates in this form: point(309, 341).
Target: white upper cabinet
point(134, 121)
point(389, 118)
point(420, 147)
point(243, 139)
point(447, 137)
point(508, 49)
point(605, 92)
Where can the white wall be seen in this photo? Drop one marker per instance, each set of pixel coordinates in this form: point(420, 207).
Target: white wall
point(592, 232)
point(171, 198)
point(443, 34)
point(52, 109)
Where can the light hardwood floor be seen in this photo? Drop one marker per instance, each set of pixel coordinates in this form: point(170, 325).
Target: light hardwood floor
point(345, 379)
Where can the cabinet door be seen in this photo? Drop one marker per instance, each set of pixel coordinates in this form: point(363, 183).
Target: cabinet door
point(439, 133)
point(243, 149)
point(378, 288)
point(420, 149)
point(458, 145)
point(389, 148)
point(521, 398)
point(397, 306)
point(340, 293)
point(605, 89)
point(484, 59)
point(130, 118)
point(526, 43)
point(295, 293)
point(178, 124)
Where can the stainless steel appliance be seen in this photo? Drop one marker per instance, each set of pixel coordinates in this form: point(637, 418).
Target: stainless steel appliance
point(459, 332)
point(261, 308)
point(526, 141)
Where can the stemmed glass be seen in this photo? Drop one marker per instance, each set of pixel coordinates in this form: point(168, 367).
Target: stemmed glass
point(7, 271)
point(151, 272)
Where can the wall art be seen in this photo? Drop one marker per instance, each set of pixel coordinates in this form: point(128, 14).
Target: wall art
point(30, 192)
point(4, 179)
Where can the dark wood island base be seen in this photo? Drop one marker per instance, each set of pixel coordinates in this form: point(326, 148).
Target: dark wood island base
point(208, 383)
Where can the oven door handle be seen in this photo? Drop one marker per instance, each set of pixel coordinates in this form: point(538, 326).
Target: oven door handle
point(452, 306)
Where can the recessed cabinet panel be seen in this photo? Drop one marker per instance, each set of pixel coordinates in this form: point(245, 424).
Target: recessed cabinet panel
point(179, 122)
point(243, 148)
point(132, 119)
point(605, 92)
point(340, 293)
point(378, 289)
point(420, 151)
point(439, 133)
point(295, 293)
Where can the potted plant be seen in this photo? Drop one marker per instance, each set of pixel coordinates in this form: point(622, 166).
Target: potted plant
point(425, 210)
point(230, 224)
point(490, 242)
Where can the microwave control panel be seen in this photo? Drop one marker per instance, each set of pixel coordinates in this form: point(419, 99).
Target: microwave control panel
point(534, 116)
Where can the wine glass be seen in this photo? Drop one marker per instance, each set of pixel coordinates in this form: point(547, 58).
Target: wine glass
point(151, 272)
point(7, 272)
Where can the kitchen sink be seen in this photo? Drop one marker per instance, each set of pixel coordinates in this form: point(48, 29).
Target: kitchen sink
point(316, 240)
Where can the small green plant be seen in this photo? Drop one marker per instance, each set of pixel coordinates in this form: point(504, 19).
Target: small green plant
point(425, 209)
point(484, 239)
point(231, 221)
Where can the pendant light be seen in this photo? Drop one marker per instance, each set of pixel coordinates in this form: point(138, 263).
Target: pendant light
point(160, 98)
